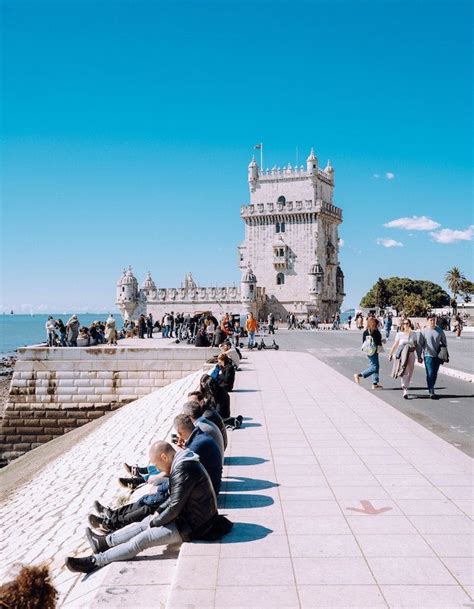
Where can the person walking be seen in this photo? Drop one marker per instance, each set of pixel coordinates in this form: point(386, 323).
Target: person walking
point(403, 354)
point(432, 338)
point(388, 321)
point(251, 327)
point(372, 345)
point(271, 323)
point(458, 325)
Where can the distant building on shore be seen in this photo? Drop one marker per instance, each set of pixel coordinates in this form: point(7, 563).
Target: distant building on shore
point(289, 257)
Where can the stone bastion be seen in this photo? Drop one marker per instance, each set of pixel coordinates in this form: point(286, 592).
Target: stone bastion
point(56, 390)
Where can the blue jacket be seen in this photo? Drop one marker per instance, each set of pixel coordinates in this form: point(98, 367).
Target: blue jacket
point(209, 455)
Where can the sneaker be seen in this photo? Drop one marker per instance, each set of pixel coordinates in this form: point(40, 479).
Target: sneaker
point(101, 509)
point(238, 422)
point(135, 470)
point(357, 378)
point(433, 396)
point(377, 386)
point(86, 564)
point(98, 543)
point(131, 483)
point(98, 522)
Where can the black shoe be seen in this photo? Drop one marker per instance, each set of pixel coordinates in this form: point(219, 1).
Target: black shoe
point(102, 510)
point(131, 483)
point(86, 564)
point(98, 543)
point(238, 421)
point(433, 396)
point(98, 522)
point(135, 470)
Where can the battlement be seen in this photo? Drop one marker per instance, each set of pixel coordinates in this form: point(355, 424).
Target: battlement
point(195, 295)
point(291, 208)
point(289, 173)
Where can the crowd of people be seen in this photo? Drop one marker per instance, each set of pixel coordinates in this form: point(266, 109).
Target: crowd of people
point(60, 334)
point(428, 345)
point(183, 477)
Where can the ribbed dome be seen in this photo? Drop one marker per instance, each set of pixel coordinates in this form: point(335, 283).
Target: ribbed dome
point(128, 278)
point(149, 284)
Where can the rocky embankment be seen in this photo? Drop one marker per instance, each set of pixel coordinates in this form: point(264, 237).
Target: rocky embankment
point(7, 364)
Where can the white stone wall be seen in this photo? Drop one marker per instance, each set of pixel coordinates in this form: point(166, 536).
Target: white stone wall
point(84, 377)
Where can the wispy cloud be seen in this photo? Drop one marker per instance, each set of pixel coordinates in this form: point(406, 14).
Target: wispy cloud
point(389, 243)
point(389, 175)
point(447, 235)
point(413, 223)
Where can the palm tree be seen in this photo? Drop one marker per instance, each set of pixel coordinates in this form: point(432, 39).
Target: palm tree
point(455, 280)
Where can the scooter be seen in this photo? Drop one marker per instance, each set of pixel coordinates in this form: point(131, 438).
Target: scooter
point(262, 345)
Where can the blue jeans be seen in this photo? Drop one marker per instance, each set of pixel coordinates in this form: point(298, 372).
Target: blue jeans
point(431, 366)
point(373, 368)
point(136, 537)
point(251, 341)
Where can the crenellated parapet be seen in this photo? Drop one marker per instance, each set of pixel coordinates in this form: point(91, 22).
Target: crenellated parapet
point(291, 208)
point(195, 295)
point(290, 173)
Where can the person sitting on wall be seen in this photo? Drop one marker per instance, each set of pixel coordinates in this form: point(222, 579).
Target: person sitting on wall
point(215, 396)
point(224, 372)
point(209, 413)
point(189, 437)
point(189, 513)
point(194, 411)
point(232, 352)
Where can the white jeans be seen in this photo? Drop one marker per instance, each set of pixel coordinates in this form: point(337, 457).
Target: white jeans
point(136, 537)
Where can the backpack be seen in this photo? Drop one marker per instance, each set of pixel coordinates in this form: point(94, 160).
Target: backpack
point(369, 347)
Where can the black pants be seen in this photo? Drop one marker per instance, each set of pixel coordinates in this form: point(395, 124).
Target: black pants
point(126, 514)
point(149, 332)
point(271, 329)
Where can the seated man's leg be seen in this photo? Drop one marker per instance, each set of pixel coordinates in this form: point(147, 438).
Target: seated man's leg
point(135, 538)
point(132, 512)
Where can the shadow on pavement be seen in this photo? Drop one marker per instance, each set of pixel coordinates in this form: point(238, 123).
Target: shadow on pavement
point(244, 532)
point(237, 500)
point(244, 460)
point(237, 484)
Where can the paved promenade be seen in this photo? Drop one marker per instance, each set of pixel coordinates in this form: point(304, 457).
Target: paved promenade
point(339, 501)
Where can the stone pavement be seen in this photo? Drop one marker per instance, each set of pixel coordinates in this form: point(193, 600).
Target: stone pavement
point(43, 519)
point(338, 500)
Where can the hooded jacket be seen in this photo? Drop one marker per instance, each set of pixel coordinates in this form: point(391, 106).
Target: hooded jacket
point(192, 502)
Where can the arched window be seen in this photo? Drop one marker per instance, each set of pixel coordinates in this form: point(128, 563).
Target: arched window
point(281, 200)
point(280, 279)
point(282, 227)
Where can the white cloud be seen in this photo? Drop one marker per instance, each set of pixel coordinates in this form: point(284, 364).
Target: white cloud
point(341, 242)
point(447, 235)
point(389, 175)
point(413, 223)
point(389, 243)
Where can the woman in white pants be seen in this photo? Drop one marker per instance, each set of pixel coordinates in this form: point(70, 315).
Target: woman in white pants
point(406, 336)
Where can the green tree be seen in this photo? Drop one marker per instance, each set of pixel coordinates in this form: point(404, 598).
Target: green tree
point(467, 290)
point(455, 279)
point(415, 305)
point(397, 288)
point(381, 293)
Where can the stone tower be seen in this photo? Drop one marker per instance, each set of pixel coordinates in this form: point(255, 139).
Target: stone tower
point(291, 238)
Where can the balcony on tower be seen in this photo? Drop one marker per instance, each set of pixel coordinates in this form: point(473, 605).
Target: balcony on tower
point(280, 254)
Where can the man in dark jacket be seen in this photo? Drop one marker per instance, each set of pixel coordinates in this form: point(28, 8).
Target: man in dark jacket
point(203, 445)
point(187, 514)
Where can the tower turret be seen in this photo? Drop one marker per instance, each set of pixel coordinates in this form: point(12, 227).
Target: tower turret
point(148, 286)
point(316, 279)
point(312, 164)
point(329, 169)
point(127, 293)
point(253, 173)
point(248, 287)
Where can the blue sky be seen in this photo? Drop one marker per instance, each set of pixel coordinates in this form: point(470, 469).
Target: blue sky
point(127, 128)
